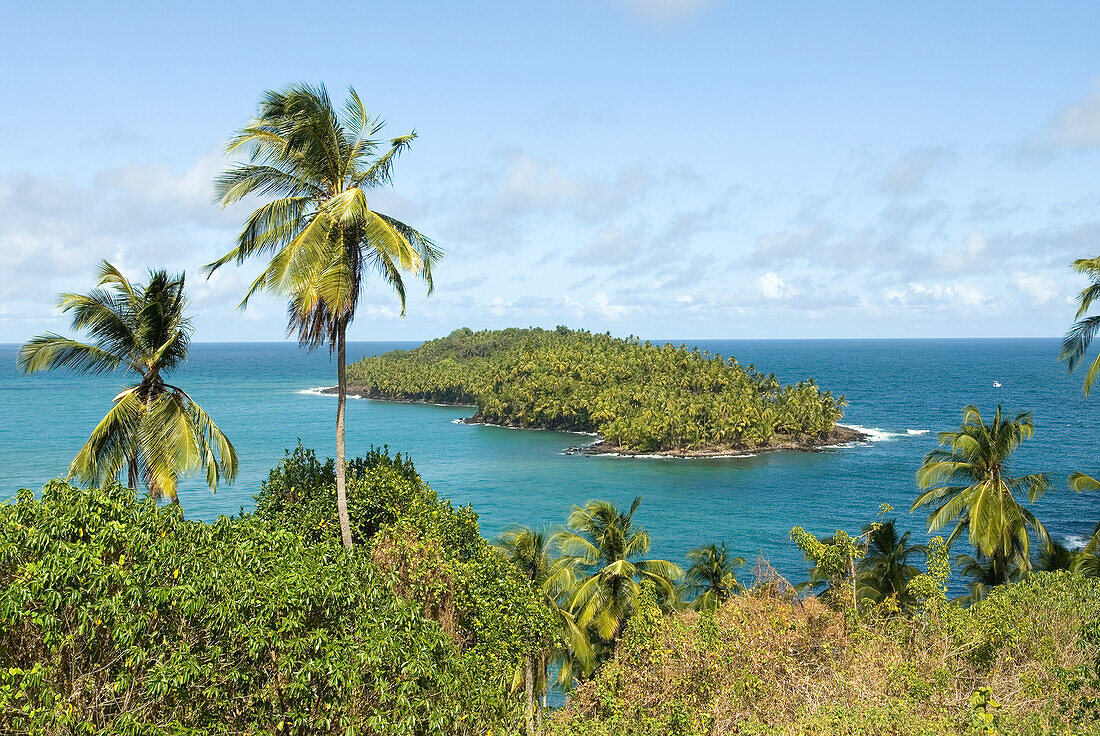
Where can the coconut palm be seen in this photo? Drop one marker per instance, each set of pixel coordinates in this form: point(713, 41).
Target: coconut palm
point(981, 500)
point(155, 431)
point(884, 570)
point(600, 546)
point(1076, 343)
point(711, 578)
point(530, 551)
point(1080, 482)
point(1056, 557)
point(319, 232)
point(985, 574)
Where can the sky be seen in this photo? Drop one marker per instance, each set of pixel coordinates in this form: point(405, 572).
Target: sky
point(662, 168)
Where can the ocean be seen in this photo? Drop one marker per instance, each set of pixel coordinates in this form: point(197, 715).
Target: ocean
point(902, 392)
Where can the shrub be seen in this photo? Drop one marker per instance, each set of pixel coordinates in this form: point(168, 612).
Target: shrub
point(117, 616)
point(1025, 661)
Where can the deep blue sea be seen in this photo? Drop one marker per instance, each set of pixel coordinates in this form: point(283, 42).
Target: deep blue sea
point(903, 390)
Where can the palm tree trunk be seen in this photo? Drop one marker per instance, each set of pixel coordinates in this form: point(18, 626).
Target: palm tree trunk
point(132, 473)
point(529, 677)
point(341, 402)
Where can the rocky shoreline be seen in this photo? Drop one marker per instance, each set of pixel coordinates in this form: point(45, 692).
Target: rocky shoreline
point(839, 435)
point(363, 392)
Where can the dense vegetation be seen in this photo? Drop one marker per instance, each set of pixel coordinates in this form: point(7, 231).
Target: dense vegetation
point(117, 616)
point(1026, 660)
point(638, 396)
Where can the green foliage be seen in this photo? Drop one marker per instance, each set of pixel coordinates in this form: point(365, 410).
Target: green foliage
point(884, 572)
point(117, 616)
point(434, 553)
point(320, 233)
point(639, 396)
point(1024, 661)
point(1075, 346)
point(930, 588)
point(834, 560)
point(600, 572)
point(711, 577)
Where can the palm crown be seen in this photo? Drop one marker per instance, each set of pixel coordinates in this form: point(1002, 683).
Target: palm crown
point(1075, 346)
point(154, 431)
point(600, 547)
point(711, 578)
point(321, 232)
point(981, 498)
point(884, 571)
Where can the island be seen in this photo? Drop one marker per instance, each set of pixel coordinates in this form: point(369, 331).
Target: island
point(639, 397)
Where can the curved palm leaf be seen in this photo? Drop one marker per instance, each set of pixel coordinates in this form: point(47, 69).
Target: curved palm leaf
point(153, 431)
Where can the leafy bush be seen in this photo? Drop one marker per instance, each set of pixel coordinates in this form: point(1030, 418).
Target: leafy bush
point(117, 616)
point(639, 396)
point(1024, 661)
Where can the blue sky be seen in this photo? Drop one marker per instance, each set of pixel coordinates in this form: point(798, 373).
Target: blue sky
point(665, 168)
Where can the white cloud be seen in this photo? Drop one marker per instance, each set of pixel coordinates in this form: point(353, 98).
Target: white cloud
point(771, 286)
point(1038, 288)
point(974, 246)
point(602, 305)
point(940, 296)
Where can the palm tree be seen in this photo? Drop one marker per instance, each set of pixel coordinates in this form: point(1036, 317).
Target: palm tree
point(981, 500)
point(600, 547)
point(884, 570)
point(711, 578)
point(1076, 343)
point(1056, 557)
point(154, 431)
point(529, 550)
point(985, 574)
point(1089, 557)
point(320, 232)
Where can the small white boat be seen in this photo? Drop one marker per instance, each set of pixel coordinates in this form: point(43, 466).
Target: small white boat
point(996, 384)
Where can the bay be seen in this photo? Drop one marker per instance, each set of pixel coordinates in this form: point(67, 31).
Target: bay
point(902, 391)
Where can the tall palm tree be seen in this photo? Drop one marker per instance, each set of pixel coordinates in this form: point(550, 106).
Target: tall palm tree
point(1076, 343)
point(981, 498)
point(530, 551)
point(711, 578)
point(884, 571)
point(155, 431)
point(600, 546)
point(320, 233)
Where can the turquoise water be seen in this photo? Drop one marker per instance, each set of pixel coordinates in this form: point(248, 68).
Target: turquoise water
point(906, 390)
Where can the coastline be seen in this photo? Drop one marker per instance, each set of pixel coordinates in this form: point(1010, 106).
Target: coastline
point(361, 392)
point(837, 436)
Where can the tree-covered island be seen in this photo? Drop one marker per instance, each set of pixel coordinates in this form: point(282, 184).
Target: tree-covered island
point(641, 398)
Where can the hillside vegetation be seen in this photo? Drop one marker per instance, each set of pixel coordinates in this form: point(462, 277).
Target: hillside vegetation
point(119, 617)
point(637, 395)
point(1024, 661)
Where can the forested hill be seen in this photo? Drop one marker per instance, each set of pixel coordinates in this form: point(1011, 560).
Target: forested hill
point(639, 396)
